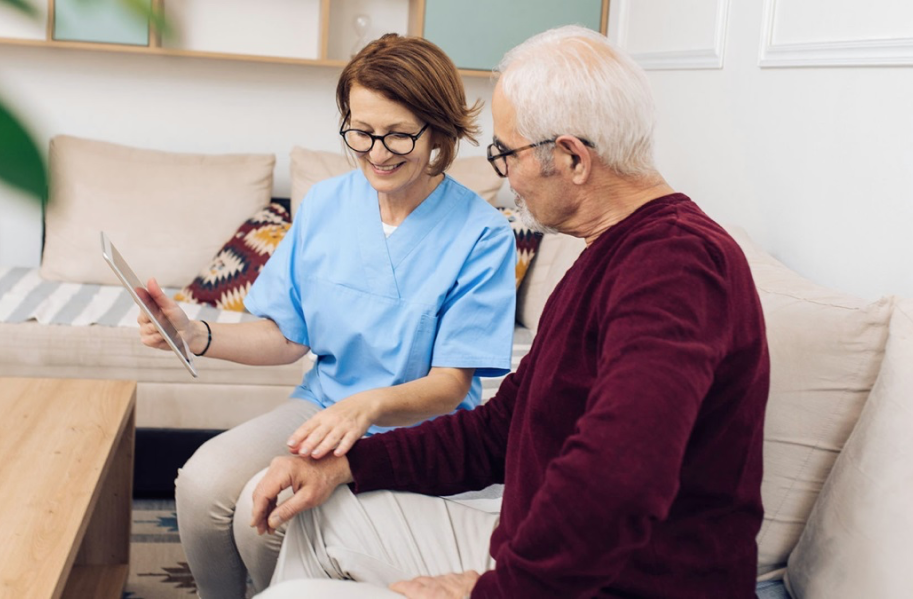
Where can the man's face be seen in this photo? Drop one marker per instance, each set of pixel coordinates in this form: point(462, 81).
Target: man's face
point(535, 188)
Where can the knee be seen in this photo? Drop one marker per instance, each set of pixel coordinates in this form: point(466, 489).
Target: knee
point(245, 505)
point(258, 552)
point(205, 480)
point(245, 534)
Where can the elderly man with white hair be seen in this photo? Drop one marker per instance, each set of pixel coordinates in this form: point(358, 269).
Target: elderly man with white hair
point(629, 439)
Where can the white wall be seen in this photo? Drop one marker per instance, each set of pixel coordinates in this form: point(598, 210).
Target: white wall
point(816, 162)
point(175, 104)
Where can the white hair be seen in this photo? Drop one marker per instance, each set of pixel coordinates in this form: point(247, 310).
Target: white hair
point(572, 81)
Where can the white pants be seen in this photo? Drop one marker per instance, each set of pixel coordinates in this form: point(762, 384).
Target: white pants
point(213, 496)
point(376, 539)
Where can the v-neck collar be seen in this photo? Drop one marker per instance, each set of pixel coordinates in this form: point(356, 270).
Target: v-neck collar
point(372, 243)
point(420, 222)
point(381, 254)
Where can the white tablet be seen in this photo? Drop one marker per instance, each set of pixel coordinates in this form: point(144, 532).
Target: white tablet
point(141, 296)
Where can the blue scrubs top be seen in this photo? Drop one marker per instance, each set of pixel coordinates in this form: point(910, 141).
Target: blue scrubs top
point(379, 311)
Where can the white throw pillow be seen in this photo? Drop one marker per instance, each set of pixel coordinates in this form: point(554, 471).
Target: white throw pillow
point(310, 166)
point(167, 213)
point(857, 540)
point(825, 352)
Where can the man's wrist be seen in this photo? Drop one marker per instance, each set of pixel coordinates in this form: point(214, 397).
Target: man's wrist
point(344, 475)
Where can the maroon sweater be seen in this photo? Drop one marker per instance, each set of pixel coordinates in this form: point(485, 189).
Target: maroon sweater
point(629, 439)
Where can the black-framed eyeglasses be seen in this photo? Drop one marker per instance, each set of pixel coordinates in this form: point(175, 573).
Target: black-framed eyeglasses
point(395, 142)
point(497, 155)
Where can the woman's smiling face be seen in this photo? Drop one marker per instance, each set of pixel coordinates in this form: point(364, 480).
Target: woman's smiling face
point(396, 176)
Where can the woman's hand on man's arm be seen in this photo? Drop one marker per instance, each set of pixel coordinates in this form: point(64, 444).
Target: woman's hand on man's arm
point(337, 428)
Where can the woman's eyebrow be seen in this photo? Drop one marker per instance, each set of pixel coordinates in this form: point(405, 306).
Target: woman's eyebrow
point(389, 127)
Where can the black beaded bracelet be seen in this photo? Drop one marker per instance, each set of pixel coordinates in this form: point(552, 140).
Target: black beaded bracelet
point(208, 341)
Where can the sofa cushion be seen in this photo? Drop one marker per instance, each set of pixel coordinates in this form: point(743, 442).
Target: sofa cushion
point(224, 395)
point(32, 349)
point(825, 352)
point(225, 281)
point(475, 173)
point(857, 540)
point(167, 213)
point(310, 166)
point(554, 256)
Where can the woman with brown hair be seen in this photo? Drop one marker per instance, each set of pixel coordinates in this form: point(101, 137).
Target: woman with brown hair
point(399, 280)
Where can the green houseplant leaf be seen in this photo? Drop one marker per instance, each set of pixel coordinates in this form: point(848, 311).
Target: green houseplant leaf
point(21, 162)
point(152, 13)
point(23, 6)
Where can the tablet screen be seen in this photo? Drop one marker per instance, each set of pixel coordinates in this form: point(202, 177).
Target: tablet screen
point(142, 298)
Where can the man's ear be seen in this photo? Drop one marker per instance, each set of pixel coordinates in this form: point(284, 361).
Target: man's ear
point(577, 157)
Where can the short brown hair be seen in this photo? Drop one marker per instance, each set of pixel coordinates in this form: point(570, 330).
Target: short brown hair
point(417, 74)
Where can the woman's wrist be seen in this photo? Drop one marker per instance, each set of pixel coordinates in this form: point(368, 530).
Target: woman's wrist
point(372, 402)
point(202, 338)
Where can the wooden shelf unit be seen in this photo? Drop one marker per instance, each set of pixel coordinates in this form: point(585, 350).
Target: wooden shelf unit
point(156, 47)
point(159, 51)
point(414, 26)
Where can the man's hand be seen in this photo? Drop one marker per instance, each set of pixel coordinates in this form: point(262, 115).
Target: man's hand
point(445, 586)
point(337, 427)
point(312, 482)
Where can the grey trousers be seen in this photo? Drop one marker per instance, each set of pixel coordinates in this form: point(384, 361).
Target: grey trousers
point(376, 539)
point(213, 499)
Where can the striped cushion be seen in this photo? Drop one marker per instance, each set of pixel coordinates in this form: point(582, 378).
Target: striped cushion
point(25, 296)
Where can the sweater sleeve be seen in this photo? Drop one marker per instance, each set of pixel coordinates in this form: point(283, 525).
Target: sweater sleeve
point(662, 325)
point(463, 451)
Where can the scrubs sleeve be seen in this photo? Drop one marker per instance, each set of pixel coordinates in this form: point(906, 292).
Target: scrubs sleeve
point(276, 293)
point(476, 322)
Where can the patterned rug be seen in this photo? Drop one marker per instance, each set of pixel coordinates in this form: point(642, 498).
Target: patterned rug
point(158, 568)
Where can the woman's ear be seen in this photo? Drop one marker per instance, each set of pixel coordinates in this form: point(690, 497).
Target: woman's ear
point(435, 143)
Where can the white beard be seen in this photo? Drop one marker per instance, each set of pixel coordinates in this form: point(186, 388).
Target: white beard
point(526, 217)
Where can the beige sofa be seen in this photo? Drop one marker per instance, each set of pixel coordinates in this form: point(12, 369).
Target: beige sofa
point(838, 445)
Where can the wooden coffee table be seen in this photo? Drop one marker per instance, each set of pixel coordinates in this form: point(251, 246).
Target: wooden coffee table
point(66, 482)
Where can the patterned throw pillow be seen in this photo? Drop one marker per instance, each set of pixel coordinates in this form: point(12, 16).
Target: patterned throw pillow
point(227, 279)
point(527, 242)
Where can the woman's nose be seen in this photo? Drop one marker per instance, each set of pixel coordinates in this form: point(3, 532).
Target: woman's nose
point(379, 152)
